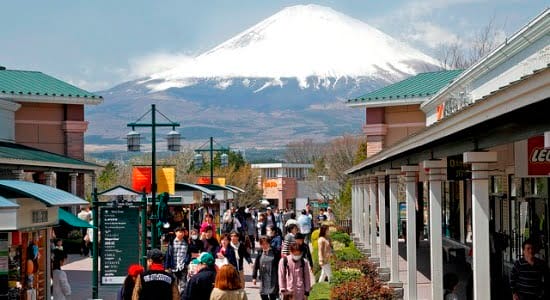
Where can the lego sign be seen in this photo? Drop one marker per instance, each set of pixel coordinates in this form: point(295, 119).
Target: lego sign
point(539, 157)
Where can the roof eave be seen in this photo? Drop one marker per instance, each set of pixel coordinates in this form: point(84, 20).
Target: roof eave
point(24, 162)
point(53, 99)
point(393, 102)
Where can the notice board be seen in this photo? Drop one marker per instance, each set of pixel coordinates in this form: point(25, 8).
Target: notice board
point(119, 228)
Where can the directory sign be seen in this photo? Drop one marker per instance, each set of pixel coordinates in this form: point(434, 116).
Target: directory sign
point(119, 227)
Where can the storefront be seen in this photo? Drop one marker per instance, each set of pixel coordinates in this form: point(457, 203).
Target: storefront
point(482, 166)
point(29, 211)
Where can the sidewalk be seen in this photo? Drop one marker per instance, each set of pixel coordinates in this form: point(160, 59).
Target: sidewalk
point(79, 272)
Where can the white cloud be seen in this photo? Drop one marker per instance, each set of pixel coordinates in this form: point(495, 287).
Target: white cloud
point(432, 35)
point(146, 65)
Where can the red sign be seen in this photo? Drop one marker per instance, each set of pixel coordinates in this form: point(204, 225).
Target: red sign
point(141, 178)
point(539, 157)
point(203, 180)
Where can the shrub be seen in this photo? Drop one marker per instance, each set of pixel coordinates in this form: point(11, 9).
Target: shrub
point(364, 288)
point(341, 237)
point(364, 265)
point(344, 275)
point(348, 253)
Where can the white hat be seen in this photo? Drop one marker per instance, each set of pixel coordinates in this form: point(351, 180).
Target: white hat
point(269, 207)
point(329, 208)
point(246, 210)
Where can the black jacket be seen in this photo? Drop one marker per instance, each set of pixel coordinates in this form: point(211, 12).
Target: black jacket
point(200, 286)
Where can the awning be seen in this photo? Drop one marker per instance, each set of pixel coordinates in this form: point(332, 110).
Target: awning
point(5, 203)
point(183, 186)
point(236, 188)
point(46, 194)
point(72, 220)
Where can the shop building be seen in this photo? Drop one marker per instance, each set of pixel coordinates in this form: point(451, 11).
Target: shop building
point(481, 165)
point(41, 171)
point(278, 182)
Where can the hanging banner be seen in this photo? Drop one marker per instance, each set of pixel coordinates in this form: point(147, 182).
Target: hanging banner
point(141, 178)
point(166, 180)
point(219, 181)
point(206, 180)
point(539, 157)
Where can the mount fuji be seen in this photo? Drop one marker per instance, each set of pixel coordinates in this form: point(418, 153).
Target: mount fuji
point(283, 79)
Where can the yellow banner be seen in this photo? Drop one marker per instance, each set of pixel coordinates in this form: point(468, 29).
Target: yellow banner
point(219, 181)
point(166, 180)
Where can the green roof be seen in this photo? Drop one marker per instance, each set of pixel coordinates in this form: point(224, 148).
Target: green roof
point(46, 194)
point(12, 153)
point(32, 83)
point(72, 220)
point(419, 86)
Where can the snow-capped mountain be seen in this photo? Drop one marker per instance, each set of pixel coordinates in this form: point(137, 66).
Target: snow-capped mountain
point(284, 78)
point(300, 42)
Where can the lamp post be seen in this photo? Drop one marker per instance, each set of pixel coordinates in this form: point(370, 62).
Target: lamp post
point(224, 157)
point(133, 140)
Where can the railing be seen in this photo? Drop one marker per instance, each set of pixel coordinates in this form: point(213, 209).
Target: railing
point(344, 225)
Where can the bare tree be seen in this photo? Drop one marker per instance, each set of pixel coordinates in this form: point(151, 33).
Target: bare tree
point(305, 151)
point(462, 54)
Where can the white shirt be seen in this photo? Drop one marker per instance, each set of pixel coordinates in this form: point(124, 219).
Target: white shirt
point(61, 288)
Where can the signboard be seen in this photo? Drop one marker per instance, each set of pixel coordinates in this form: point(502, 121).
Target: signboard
point(457, 169)
point(539, 157)
point(206, 180)
point(141, 178)
point(166, 180)
point(120, 242)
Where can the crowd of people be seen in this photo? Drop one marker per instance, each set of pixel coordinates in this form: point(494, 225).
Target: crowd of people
point(201, 264)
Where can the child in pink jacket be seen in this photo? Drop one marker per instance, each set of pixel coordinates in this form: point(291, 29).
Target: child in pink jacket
point(294, 279)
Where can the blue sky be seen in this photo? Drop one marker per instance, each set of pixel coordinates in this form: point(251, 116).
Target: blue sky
point(98, 44)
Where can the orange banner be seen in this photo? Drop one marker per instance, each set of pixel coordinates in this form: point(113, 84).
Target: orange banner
point(141, 178)
point(206, 180)
point(166, 180)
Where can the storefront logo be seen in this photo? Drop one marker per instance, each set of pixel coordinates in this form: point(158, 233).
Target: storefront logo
point(457, 169)
point(539, 157)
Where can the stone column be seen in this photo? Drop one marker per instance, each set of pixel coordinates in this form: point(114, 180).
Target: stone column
point(366, 215)
point(381, 176)
point(73, 176)
point(354, 220)
point(411, 173)
point(18, 174)
point(50, 178)
point(373, 230)
point(436, 176)
point(394, 233)
point(480, 220)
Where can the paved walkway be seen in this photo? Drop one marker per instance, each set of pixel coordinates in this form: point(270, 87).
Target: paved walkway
point(79, 272)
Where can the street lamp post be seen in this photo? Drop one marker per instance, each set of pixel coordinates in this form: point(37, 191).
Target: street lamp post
point(133, 139)
point(224, 157)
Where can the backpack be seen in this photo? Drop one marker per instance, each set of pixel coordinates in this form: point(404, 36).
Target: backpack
point(285, 264)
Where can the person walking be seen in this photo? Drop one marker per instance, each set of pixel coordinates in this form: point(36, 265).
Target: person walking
point(276, 238)
point(126, 290)
point(304, 222)
point(294, 275)
point(208, 222)
point(156, 283)
point(61, 289)
point(226, 253)
point(529, 278)
point(227, 285)
point(306, 253)
point(266, 269)
point(241, 253)
point(290, 238)
point(195, 246)
point(325, 252)
point(177, 256)
point(251, 230)
point(210, 242)
point(200, 286)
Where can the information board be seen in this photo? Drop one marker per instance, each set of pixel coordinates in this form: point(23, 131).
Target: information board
point(119, 227)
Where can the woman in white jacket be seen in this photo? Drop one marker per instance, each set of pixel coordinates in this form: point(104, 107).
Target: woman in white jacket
point(61, 286)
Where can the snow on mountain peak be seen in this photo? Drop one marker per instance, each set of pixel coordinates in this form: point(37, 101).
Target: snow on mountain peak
point(300, 41)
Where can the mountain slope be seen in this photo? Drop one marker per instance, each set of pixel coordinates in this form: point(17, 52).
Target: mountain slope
point(283, 79)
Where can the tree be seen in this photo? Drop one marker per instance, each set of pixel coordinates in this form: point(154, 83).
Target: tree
point(304, 152)
point(463, 54)
point(108, 177)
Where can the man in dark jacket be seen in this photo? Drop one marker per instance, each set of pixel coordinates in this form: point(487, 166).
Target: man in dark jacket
point(156, 283)
point(200, 286)
point(306, 254)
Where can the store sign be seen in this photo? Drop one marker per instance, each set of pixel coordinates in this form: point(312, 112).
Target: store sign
point(539, 157)
point(457, 169)
point(454, 104)
point(119, 248)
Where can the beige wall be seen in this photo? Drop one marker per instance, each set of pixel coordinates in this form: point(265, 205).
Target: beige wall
point(39, 125)
point(403, 121)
